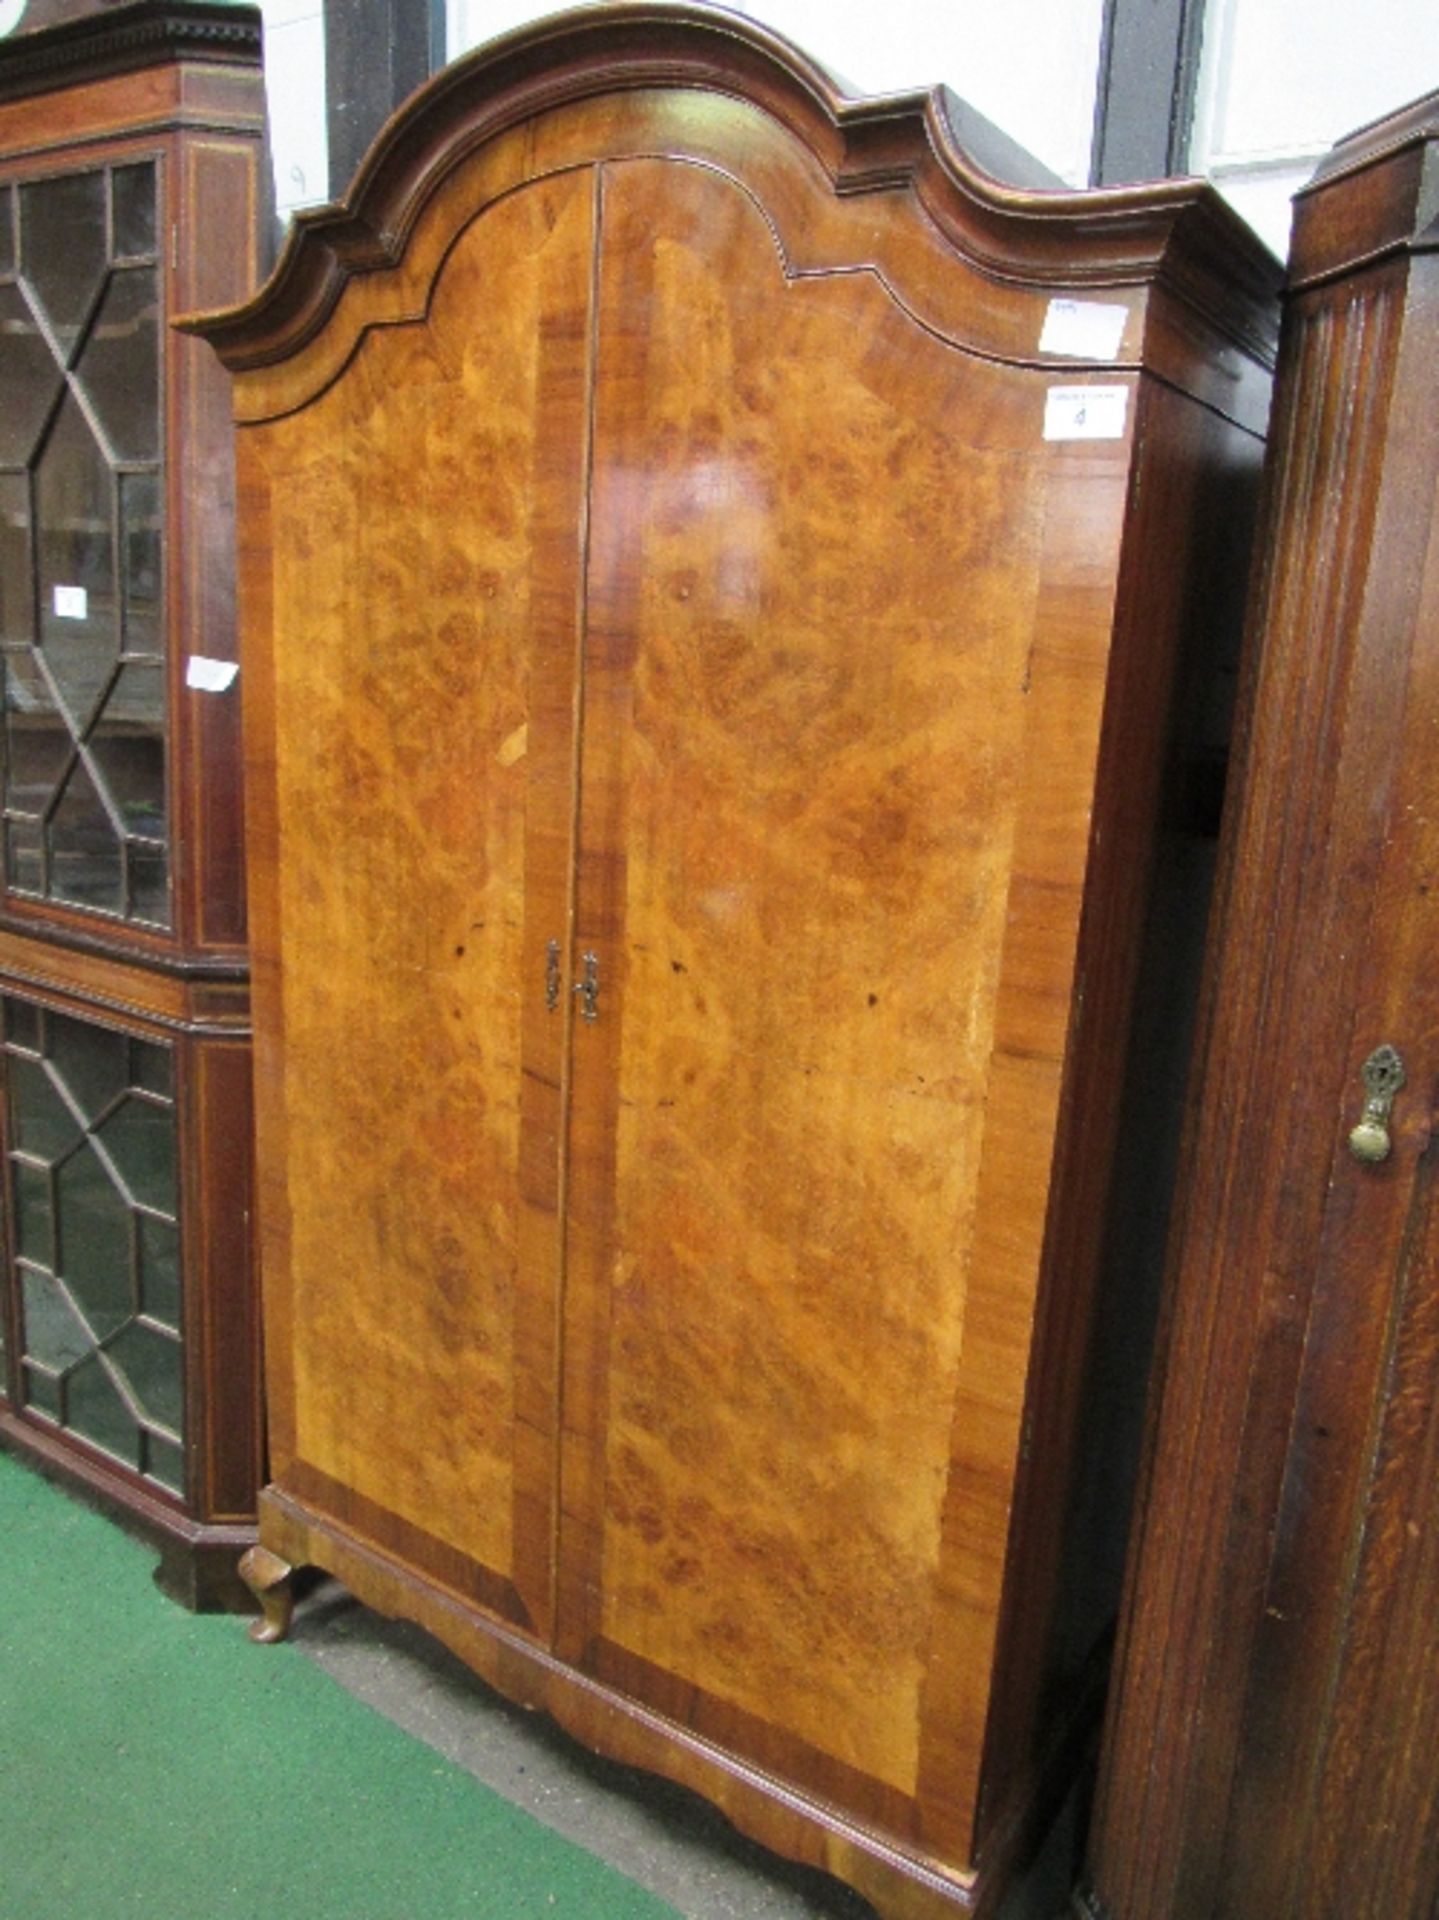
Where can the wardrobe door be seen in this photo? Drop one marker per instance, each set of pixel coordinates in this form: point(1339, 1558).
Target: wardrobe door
point(416, 690)
point(833, 826)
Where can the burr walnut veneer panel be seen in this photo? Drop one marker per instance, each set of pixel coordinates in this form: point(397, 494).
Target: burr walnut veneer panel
point(425, 759)
point(705, 734)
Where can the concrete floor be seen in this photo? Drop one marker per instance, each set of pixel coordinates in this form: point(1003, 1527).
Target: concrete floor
point(662, 1836)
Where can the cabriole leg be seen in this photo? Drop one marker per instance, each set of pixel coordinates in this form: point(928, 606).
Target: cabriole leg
point(268, 1578)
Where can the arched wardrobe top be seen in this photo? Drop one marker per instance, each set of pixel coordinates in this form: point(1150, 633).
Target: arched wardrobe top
point(882, 184)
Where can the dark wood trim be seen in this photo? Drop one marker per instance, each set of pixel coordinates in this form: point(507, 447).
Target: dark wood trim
point(115, 939)
point(1101, 1279)
point(1136, 236)
point(225, 1426)
point(1148, 75)
point(1398, 157)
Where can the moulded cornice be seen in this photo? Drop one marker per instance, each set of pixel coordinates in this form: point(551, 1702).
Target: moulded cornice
point(1175, 233)
point(120, 39)
point(1375, 196)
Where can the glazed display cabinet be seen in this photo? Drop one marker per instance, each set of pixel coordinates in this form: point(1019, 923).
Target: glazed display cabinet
point(129, 154)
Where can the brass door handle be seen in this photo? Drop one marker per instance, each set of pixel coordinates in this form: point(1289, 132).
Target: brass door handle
point(1383, 1076)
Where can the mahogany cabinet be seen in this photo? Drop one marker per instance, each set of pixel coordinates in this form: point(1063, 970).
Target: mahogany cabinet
point(130, 146)
point(1273, 1742)
point(718, 577)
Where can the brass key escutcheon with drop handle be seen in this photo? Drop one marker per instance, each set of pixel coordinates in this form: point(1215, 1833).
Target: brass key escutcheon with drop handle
point(588, 988)
point(1383, 1076)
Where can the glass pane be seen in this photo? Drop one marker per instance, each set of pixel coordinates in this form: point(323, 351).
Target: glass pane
point(22, 1024)
point(41, 1393)
point(34, 1239)
point(30, 379)
point(132, 191)
point(149, 884)
point(119, 368)
point(79, 630)
point(85, 860)
point(152, 1066)
point(24, 862)
point(140, 1138)
point(159, 1269)
point(165, 1462)
point(150, 1364)
point(93, 1235)
point(54, 1333)
point(38, 743)
point(63, 251)
point(93, 1063)
point(82, 544)
point(141, 556)
point(98, 1413)
point(127, 747)
point(43, 1125)
point(17, 589)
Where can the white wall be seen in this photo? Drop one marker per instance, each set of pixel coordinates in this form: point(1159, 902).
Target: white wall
point(1029, 65)
point(1281, 80)
point(295, 90)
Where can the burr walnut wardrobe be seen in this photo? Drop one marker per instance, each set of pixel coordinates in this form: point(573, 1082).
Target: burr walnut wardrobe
point(716, 568)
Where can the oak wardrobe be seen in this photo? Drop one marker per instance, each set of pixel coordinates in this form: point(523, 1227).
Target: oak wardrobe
point(717, 574)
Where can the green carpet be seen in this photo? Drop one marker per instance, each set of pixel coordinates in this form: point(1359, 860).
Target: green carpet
point(158, 1765)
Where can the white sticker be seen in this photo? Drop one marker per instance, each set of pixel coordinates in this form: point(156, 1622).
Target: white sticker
point(210, 676)
point(1085, 413)
point(71, 603)
point(1083, 329)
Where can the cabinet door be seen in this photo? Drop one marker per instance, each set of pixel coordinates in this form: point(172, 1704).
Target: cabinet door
point(833, 930)
point(82, 632)
point(420, 658)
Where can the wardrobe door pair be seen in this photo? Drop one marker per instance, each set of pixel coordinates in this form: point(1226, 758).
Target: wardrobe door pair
point(679, 781)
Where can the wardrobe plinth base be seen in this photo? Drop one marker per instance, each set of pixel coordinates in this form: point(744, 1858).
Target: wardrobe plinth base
point(900, 1884)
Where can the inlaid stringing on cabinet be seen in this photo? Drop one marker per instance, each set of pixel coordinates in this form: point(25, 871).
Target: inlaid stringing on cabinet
point(667, 608)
